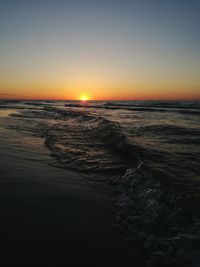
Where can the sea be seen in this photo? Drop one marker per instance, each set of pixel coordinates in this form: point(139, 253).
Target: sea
point(145, 154)
point(102, 139)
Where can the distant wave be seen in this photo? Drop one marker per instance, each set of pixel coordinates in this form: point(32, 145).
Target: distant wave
point(157, 104)
point(187, 108)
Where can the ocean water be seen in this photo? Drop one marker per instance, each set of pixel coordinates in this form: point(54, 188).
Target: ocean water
point(103, 139)
point(146, 154)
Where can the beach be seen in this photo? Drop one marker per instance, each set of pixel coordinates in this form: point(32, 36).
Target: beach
point(53, 217)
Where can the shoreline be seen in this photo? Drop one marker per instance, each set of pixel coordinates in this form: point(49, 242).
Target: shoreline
point(52, 216)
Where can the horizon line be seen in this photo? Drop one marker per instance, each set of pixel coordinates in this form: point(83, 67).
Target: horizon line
point(89, 100)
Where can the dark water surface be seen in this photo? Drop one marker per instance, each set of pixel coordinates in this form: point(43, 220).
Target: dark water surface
point(103, 139)
point(145, 153)
point(51, 216)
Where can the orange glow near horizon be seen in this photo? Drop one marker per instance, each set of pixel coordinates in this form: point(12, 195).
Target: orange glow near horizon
point(101, 91)
point(111, 95)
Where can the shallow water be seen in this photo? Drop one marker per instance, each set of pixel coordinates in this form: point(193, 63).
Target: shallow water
point(104, 139)
point(6, 112)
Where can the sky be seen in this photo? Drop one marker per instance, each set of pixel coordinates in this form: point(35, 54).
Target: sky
point(106, 49)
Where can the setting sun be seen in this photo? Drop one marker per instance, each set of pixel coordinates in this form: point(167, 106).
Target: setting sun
point(84, 98)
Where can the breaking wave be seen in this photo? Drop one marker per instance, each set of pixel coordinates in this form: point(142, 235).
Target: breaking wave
point(86, 143)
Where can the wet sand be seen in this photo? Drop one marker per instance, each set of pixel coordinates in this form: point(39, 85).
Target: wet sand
point(52, 217)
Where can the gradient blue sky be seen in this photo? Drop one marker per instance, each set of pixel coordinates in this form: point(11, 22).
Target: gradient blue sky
point(139, 49)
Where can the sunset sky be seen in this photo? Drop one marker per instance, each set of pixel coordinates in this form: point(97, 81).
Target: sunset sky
point(105, 49)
